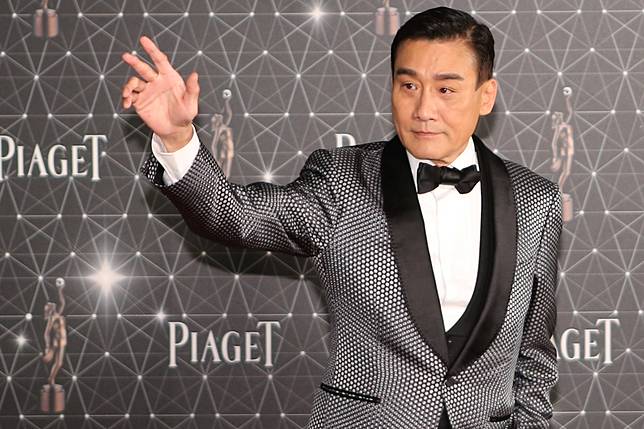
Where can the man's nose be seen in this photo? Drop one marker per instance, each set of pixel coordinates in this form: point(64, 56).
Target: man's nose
point(425, 105)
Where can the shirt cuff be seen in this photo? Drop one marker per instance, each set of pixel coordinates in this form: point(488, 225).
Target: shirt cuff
point(175, 164)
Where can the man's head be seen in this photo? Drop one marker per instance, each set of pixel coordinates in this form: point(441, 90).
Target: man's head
point(441, 62)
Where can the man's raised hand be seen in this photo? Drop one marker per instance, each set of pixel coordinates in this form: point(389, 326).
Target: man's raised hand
point(160, 97)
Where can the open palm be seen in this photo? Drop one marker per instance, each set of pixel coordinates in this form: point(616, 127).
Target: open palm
point(161, 98)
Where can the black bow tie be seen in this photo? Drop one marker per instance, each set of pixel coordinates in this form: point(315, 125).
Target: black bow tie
point(430, 176)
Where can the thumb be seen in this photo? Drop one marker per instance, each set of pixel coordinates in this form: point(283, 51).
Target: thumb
point(192, 89)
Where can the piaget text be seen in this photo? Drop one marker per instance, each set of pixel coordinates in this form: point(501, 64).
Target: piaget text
point(585, 343)
point(203, 346)
point(78, 160)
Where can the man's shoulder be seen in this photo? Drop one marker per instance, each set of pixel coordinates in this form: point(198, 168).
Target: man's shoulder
point(359, 149)
point(524, 179)
point(346, 156)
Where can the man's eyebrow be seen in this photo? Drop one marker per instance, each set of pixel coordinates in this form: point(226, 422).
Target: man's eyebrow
point(448, 76)
point(404, 70)
point(437, 76)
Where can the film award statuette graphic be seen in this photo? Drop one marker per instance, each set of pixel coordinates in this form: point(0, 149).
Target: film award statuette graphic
point(387, 20)
point(45, 21)
point(52, 395)
point(222, 145)
point(563, 149)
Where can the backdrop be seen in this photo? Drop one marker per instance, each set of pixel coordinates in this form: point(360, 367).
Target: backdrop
point(164, 329)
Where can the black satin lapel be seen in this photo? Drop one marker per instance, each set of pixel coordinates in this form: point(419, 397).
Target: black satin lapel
point(496, 190)
point(409, 244)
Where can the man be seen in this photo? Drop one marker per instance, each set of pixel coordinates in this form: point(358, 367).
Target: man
point(441, 286)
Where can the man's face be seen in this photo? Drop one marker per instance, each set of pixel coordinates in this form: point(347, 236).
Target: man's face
point(435, 103)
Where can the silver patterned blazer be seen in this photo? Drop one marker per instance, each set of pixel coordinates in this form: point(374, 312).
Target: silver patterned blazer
point(354, 209)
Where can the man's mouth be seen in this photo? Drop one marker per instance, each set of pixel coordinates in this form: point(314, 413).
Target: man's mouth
point(425, 133)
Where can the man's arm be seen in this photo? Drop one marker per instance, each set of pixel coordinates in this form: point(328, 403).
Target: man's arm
point(536, 370)
point(297, 218)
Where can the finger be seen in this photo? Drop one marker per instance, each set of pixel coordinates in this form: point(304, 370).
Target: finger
point(133, 98)
point(159, 58)
point(130, 100)
point(143, 69)
point(192, 89)
point(134, 84)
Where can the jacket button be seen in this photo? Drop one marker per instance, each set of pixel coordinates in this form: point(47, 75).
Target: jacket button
point(450, 381)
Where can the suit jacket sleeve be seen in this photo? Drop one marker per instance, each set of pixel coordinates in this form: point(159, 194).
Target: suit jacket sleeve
point(297, 218)
point(536, 370)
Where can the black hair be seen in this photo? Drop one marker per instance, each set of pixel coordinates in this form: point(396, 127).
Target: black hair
point(444, 23)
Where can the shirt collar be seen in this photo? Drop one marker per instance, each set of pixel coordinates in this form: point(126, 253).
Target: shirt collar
point(464, 159)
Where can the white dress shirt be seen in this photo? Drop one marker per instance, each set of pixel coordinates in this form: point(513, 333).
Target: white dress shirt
point(452, 227)
point(452, 224)
point(176, 164)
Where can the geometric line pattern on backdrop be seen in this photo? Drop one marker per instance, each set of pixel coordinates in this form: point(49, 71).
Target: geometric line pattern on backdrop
point(298, 73)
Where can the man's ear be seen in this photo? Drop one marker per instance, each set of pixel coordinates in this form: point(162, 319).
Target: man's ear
point(488, 96)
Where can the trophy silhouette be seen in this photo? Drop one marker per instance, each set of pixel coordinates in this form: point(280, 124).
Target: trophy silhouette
point(563, 149)
point(52, 395)
point(45, 21)
point(387, 20)
point(222, 144)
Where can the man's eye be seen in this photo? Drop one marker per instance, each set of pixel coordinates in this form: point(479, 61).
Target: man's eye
point(409, 85)
point(445, 91)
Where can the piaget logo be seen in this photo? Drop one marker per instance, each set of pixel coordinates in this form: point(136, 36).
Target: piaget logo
point(77, 160)
point(344, 139)
point(204, 346)
point(589, 344)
